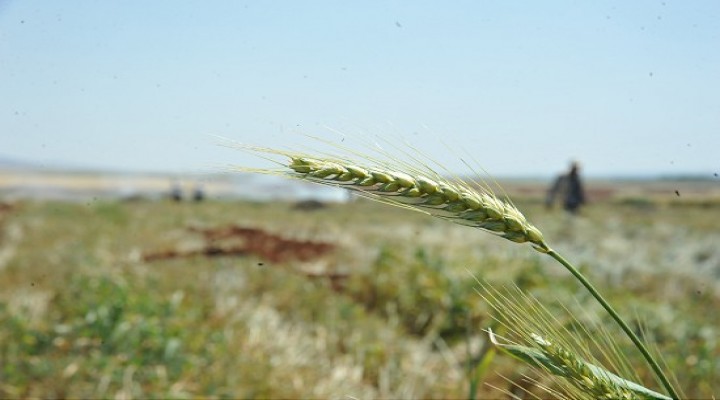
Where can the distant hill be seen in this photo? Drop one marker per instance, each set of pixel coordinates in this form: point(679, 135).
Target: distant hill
point(9, 163)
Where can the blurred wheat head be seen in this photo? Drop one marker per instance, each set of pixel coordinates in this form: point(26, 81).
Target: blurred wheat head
point(573, 346)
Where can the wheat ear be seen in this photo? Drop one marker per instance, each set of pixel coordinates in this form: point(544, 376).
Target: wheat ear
point(453, 201)
point(590, 379)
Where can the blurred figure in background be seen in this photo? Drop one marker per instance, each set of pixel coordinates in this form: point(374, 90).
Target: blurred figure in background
point(568, 189)
point(198, 193)
point(175, 191)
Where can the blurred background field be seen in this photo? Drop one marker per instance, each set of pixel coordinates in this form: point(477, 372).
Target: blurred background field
point(127, 294)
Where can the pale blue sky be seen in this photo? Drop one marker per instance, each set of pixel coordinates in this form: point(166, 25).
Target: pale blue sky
point(625, 87)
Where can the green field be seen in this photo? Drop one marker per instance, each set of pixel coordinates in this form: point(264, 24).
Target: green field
point(144, 299)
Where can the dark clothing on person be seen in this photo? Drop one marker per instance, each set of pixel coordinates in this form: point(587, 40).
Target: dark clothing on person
point(198, 194)
point(569, 189)
point(176, 193)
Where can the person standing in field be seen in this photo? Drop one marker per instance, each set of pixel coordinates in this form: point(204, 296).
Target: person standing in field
point(569, 189)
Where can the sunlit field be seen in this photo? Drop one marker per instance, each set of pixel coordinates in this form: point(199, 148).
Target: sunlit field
point(140, 299)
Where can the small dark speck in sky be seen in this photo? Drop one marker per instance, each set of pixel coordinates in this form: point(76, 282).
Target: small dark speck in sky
point(651, 74)
point(716, 174)
point(677, 193)
point(398, 24)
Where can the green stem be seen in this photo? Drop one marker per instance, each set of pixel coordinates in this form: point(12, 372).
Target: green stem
point(653, 364)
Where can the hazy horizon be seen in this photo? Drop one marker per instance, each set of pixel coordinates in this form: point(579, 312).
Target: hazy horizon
point(8, 164)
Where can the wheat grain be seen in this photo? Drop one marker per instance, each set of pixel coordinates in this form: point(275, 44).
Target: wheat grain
point(454, 201)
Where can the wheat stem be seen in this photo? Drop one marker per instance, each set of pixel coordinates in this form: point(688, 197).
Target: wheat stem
point(633, 337)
